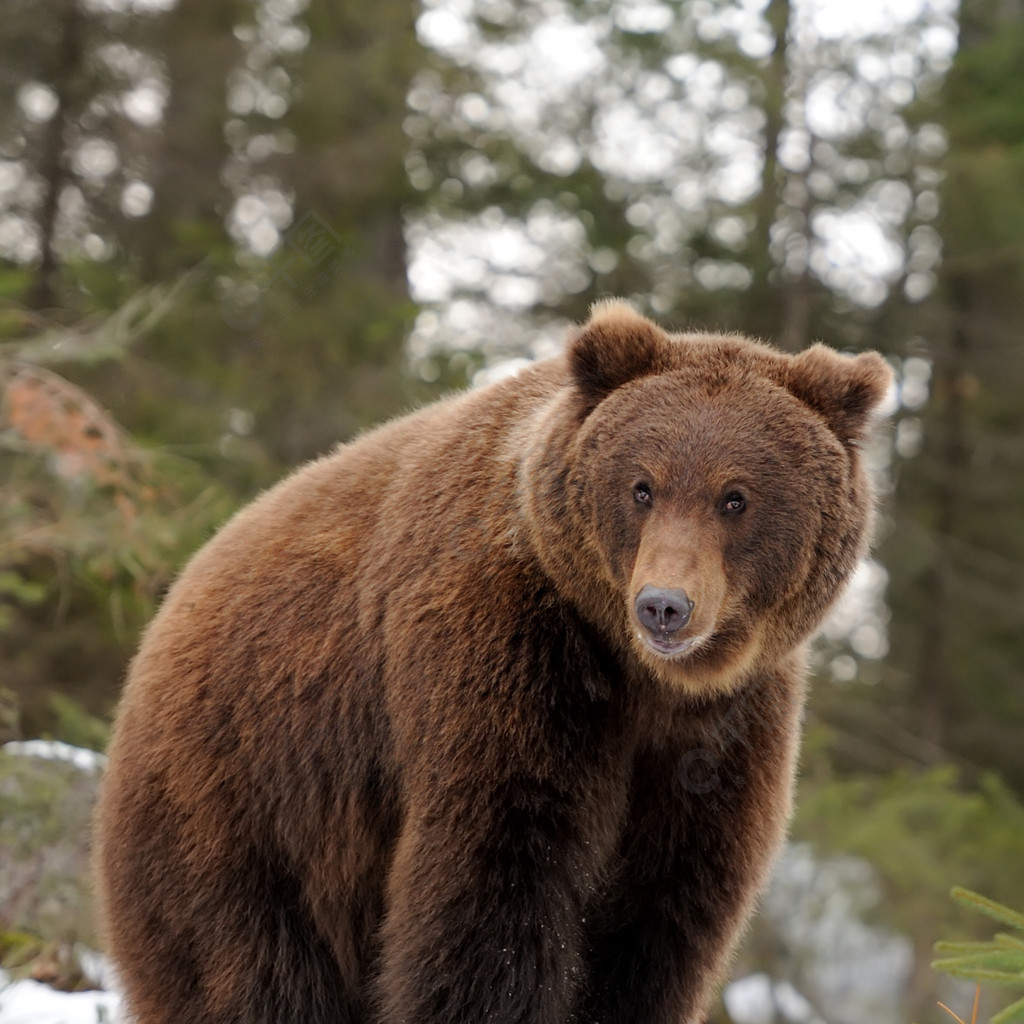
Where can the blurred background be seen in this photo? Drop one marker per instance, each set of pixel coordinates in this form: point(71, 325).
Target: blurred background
point(234, 232)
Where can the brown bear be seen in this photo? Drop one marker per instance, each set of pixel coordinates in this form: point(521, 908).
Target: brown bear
point(491, 715)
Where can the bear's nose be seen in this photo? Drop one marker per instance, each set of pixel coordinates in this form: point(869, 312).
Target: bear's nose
point(663, 611)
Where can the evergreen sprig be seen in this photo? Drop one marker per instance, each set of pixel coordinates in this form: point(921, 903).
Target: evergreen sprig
point(999, 961)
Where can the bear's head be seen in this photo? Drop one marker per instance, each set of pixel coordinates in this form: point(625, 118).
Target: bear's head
point(702, 498)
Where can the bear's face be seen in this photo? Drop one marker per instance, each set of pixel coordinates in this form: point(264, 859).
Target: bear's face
point(721, 507)
point(708, 508)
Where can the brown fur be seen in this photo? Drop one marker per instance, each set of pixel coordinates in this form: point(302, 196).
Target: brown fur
point(396, 749)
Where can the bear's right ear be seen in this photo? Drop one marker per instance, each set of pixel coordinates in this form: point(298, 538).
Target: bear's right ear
point(616, 345)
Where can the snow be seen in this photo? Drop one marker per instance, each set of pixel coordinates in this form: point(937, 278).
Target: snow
point(54, 750)
point(757, 999)
point(29, 1002)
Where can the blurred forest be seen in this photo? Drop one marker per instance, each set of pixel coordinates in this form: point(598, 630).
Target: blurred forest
point(235, 232)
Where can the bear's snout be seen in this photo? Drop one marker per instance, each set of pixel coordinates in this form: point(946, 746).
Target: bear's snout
point(662, 611)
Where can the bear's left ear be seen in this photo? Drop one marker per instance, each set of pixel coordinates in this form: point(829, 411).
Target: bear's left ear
point(616, 345)
point(846, 390)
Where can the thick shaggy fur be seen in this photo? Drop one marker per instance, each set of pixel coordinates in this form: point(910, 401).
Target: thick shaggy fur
point(397, 748)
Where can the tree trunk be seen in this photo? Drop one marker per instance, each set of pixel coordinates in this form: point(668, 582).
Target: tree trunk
point(932, 685)
point(53, 164)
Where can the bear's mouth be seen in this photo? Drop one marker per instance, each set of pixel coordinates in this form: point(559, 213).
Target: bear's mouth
point(667, 647)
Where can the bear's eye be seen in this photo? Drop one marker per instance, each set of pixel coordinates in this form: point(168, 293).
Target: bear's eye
point(734, 502)
point(642, 494)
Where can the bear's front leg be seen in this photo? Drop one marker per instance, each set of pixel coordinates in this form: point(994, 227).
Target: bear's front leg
point(483, 916)
point(707, 814)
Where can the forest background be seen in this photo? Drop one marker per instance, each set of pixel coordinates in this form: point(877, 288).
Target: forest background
point(234, 232)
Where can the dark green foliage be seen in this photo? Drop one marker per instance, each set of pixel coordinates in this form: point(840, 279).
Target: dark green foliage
point(184, 364)
point(955, 553)
point(45, 822)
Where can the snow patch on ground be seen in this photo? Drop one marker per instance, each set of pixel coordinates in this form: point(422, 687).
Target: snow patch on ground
point(29, 1002)
point(54, 750)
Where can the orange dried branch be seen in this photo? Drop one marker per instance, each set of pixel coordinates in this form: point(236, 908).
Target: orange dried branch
point(974, 1010)
point(54, 415)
